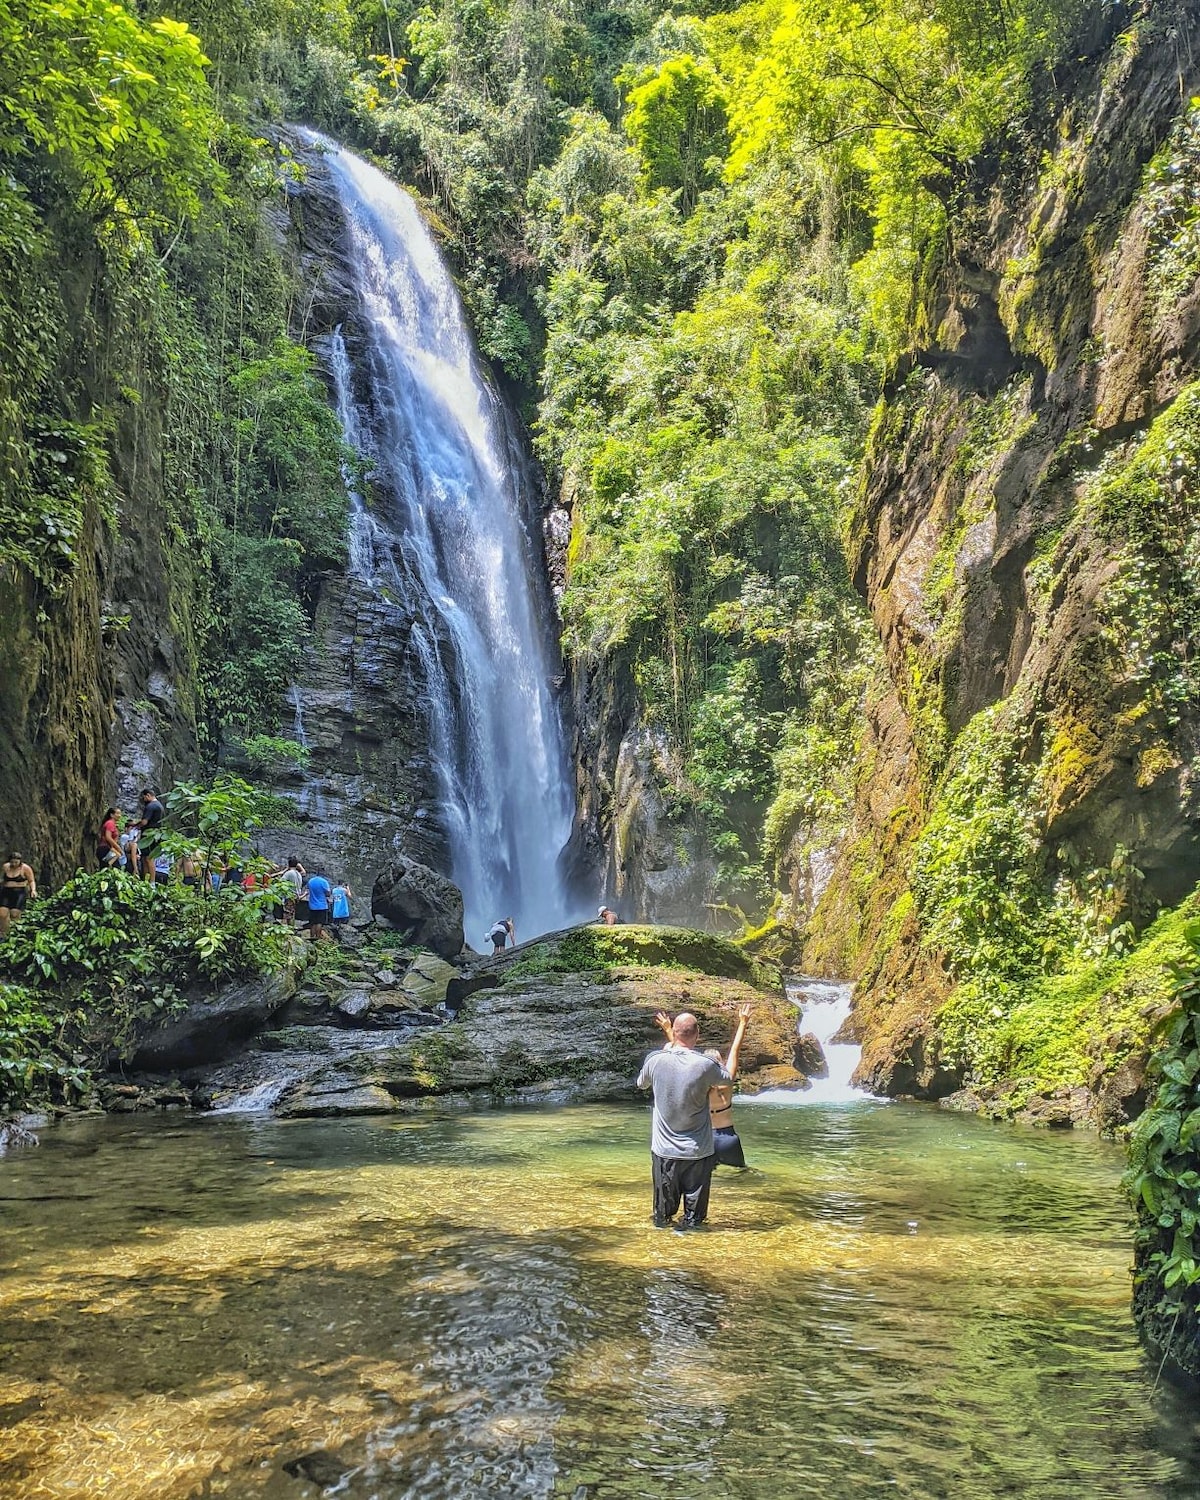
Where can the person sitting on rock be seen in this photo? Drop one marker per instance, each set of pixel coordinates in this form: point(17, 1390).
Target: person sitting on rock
point(607, 916)
point(726, 1141)
point(502, 932)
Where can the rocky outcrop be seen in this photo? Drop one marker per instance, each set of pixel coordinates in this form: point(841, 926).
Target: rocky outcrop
point(421, 905)
point(570, 1019)
point(809, 1057)
point(567, 1018)
point(212, 1025)
point(1001, 548)
point(368, 791)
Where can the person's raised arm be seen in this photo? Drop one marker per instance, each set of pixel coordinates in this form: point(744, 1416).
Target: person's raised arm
point(663, 1021)
point(735, 1049)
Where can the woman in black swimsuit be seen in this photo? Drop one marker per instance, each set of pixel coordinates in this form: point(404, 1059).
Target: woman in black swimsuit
point(17, 888)
point(720, 1097)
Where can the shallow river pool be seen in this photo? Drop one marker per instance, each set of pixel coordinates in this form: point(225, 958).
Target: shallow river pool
point(896, 1302)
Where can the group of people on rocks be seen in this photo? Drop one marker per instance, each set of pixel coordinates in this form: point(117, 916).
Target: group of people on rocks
point(135, 845)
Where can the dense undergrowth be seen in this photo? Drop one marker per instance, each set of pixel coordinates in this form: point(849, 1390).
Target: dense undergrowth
point(91, 969)
point(1163, 1180)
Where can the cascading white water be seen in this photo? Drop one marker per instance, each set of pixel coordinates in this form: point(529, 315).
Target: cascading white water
point(824, 1008)
point(459, 545)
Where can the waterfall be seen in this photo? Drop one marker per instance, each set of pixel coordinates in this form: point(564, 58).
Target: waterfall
point(824, 1008)
point(457, 538)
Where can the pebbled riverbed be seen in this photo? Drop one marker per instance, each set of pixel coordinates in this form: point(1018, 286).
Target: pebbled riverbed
point(897, 1303)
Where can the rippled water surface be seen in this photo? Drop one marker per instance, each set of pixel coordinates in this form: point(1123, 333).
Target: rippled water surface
point(898, 1303)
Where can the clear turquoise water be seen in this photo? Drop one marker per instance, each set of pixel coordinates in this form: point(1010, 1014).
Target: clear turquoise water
point(899, 1302)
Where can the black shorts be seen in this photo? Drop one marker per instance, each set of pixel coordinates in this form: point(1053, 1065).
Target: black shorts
point(318, 918)
point(339, 921)
point(728, 1148)
point(14, 900)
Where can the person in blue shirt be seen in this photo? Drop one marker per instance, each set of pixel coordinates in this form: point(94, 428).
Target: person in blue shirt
point(319, 892)
point(340, 907)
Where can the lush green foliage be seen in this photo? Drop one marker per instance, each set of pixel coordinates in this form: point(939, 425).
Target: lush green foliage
point(220, 821)
point(108, 956)
point(118, 164)
point(607, 949)
point(1147, 506)
point(32, 1066)
point(1163, 1181)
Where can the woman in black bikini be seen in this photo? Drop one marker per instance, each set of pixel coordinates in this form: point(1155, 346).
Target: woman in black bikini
point(17, 888)
point(720, 1097)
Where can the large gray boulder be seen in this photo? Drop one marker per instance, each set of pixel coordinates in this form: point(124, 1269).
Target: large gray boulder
point(422, 905)
point(214, 1024)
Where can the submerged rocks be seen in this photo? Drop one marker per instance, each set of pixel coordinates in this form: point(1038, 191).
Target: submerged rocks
point(421, 905)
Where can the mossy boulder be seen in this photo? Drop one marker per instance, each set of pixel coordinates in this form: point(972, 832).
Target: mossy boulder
point(570, 1018)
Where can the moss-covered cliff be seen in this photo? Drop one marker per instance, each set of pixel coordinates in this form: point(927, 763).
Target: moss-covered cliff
point(1026, 540)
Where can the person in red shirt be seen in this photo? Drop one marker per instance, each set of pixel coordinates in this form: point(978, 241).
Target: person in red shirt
point(108, 845)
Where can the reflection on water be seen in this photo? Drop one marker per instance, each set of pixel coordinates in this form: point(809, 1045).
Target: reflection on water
point(898, 1303)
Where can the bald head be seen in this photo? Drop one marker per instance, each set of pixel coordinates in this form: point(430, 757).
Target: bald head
point(685, 1029)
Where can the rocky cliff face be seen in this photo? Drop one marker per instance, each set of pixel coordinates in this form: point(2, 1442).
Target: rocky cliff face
point(97, 673)
point(655, 864)
point(1027, 546)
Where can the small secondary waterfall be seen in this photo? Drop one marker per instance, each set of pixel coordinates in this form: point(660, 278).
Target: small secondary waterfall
point(824, 1007)
point(457, 542)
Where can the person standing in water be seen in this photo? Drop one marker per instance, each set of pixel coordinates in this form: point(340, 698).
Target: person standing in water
point(17, 888)
point(728, 1144)
point(682, 1150)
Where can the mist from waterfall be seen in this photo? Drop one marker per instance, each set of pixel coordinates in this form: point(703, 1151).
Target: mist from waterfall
point(456, 539)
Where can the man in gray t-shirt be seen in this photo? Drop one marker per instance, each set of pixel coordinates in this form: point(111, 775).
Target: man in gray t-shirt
point(681, 1139)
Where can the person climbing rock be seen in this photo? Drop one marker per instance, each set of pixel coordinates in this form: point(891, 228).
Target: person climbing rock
point(502, 932)
point(17, 888)
point(726, 1140)
point(319, 892)
point(108, 845)
point(149, 836)
point(682, 1151)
